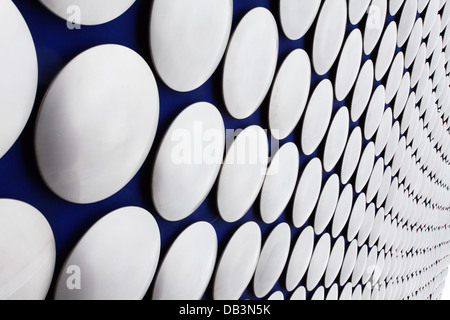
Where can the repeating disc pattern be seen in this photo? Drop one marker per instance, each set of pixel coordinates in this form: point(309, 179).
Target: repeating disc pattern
point(245, 156)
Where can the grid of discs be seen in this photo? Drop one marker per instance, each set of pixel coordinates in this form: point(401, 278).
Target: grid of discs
point(354, 202)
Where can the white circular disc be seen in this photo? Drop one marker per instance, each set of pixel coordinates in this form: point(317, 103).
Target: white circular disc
point(297, 16)
point(387, 264)
point(384, 130)
point(307, 193)
point(299, 294)
point(342, 212)
point(356, 217)
point(404, 167)
point(408, 112)
point(333, 293)
point(365, 167)
point(386, 51)
point(290, 94)
point(375, 112)
point(351, 155)
point(392, 194)
point(384, 188)
point(363, 90)
point(360, 265)
point(402, 95)
point(278, 295)
point(376, 18)
point(349, 262)
point(329, 35)
point(300, 258)
point(440, 71)
point(445, 17)
point(349, 65)
point(243, 173)
point(425, 84)
point(187, 267)
point(335, 261)
point(421, 5)
point(327, 204)
point(435, 57)
point(389, 242)
point(319, 294)
point(440, 90)
point(357, 9)
point(392, 143)
point(375, 180)
point(418, 65)
point(280, 182)
point(319, 262)
point(184, 55)
point(346, 293)
point(336, 139)
point(399, 155)
point(385, 231)
point(430, 17)
point(317, 117)
point(366, 227)
point(433, 37)
point(417, 137)
point(96, 124)
point(446, 37)
point(357, 293)
point(27, 252)
point(407, 20)
point(180, 184)
point(88, 12)
point(395, 77)
point(116, 258)
point(394, 6)
point(375, 293)
point(272, 260)
point(250, 63)
point(238, 263)
point(415, 39)
point(19, 75)
point(370, 264)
